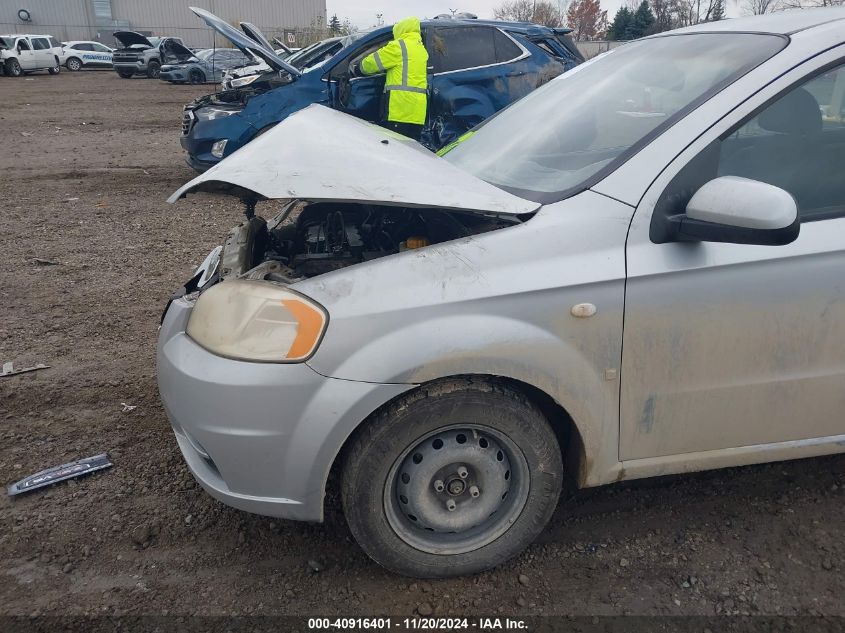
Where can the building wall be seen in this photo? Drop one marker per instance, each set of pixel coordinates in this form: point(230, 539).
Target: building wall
point(76, 19)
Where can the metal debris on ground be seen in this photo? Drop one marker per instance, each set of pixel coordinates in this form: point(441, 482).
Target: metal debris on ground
point(60, 473)
point(128, 407)
point(44, 262)
point(9, 369)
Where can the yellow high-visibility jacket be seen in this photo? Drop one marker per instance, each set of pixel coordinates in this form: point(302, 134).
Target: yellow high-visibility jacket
point(405, 61)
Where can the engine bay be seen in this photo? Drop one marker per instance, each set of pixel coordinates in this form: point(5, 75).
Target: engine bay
point(306, 240)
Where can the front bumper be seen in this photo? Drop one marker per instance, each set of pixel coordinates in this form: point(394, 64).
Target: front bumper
point(172, 74)
point(259, 437)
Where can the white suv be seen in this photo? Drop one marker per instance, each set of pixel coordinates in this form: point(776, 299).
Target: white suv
point(78, 55)
point(21, 54)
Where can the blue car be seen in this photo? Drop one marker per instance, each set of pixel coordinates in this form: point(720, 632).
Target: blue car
point(476, 69)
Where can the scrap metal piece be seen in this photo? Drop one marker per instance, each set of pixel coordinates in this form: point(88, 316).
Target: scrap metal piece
point(9, 370)
point(60, 473)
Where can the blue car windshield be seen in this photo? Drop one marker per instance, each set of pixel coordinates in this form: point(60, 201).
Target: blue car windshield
point(568, 134)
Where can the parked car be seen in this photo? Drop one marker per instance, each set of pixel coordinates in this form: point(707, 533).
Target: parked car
point(478, 68)
point(447, 333)
point(21, 54)
point(139, 55)
point(208, 65)
point(78, 55)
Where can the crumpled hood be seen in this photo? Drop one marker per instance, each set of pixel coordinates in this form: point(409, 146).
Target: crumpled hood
point(175, 53)
point(408, 27)
point(320, 154)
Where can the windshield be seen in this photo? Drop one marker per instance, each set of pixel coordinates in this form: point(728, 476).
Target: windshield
point(591, 119)
point(7, 42)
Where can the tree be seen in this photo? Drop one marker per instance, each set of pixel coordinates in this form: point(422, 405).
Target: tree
point(586, 19)
point(539, 12)
point(758, 7)
point(718, 11)
point(642, 22)
point(619, 26)
point(334, 25)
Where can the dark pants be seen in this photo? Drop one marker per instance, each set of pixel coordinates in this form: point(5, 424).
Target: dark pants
point(410, 130)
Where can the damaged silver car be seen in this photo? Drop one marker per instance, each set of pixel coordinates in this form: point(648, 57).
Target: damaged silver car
point(645, 282)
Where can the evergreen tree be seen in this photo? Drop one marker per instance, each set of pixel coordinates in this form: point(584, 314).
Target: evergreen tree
point(334, 25)
point(620, 24)
point(642, 22)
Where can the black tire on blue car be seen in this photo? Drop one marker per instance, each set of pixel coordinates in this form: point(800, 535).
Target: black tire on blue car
point(196, 76)
point(454, 478)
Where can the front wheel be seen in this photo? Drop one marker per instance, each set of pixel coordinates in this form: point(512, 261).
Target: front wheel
point(73, 64)
point(13, 68)
point(125, 74)
point(196, 76)
point(153, 70)
point(55, 70)
point(453, 479)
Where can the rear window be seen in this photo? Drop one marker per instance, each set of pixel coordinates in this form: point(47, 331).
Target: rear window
point(463, 47)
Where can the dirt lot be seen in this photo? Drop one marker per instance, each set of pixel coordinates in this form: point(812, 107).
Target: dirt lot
point(87, 162)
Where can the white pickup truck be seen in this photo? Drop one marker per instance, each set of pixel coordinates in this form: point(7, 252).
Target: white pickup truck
point(21, 54)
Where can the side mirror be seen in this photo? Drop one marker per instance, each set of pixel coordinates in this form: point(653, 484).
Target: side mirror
point(739, 211)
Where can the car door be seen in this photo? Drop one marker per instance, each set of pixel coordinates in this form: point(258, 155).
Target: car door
point(359, 96)
point(477, 71)
point(43, 52)
point(738, 347)
point(26, 57)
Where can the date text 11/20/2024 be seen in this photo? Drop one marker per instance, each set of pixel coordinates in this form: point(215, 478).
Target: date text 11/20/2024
point(417, 624)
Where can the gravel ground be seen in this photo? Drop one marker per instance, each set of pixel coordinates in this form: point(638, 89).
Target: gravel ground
point(91, 251)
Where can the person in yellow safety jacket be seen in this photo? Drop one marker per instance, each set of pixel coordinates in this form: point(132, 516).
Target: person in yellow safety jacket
point(405, 61)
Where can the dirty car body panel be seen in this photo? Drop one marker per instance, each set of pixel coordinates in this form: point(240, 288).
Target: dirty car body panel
point(568, 270)
point(511, 63)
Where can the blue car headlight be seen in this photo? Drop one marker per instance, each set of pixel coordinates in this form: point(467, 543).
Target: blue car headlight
point(213, 112)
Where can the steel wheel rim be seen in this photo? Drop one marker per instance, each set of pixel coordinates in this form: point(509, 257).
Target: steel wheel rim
point(434, 507)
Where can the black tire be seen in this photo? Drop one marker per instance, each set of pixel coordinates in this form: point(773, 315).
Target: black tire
point(13, 68)
point(73, 64)
point(153, 69)
point(55, 70)
point(196, 76)
point(372, 483)
point(125, 74)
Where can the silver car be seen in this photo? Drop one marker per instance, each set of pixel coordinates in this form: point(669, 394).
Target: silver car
point(636, 270)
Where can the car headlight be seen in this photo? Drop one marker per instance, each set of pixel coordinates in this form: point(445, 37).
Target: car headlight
point(257, 321)
point(211, 113)
point(240, 82)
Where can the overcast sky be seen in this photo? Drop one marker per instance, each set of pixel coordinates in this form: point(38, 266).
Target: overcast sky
point(363, 12)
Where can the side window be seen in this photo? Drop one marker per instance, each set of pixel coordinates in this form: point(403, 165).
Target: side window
point(40, 44)
point(796, 142)
point(100, 48)
point(84, 47)
point(462, 47)
point(506, 48)
point(23, 45)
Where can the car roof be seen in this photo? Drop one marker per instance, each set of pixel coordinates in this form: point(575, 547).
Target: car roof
point(780, 23)
point(525, 28)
